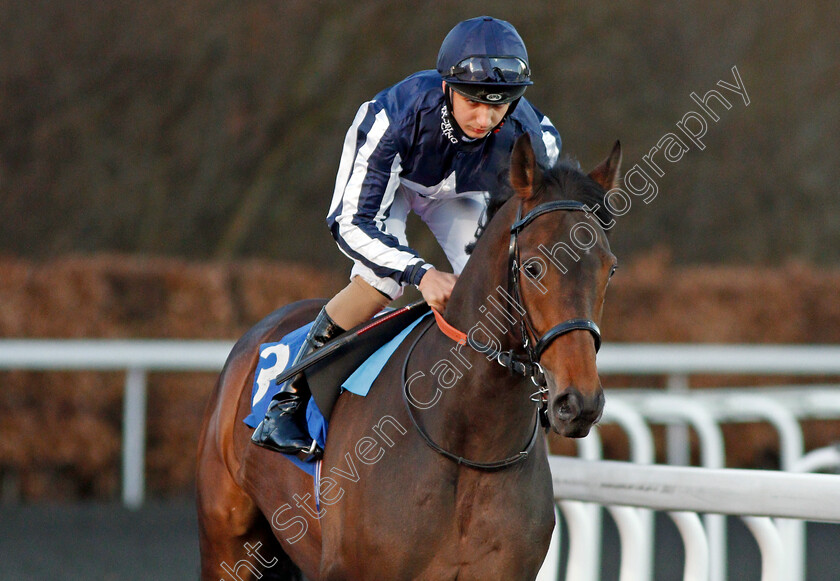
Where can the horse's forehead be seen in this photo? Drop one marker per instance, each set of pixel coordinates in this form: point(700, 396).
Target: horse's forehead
point(579, 230)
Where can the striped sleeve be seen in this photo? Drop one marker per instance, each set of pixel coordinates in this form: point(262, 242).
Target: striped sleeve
point(551, 140)
point(367, 180)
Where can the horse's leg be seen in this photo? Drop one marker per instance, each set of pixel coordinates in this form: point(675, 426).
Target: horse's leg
point(235, 539)
point(248, 553)
point(237, 493)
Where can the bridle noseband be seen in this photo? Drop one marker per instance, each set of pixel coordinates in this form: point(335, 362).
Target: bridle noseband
point(535, 351)
point(528, 366)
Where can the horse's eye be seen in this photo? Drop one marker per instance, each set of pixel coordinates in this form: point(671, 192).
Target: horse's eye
point(612, 271)
point(532, 269)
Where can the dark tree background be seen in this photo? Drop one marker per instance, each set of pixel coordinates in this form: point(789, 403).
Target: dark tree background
point(202, 137)
point(212, 128)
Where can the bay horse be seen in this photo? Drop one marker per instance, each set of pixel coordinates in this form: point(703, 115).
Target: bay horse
point(439, 473)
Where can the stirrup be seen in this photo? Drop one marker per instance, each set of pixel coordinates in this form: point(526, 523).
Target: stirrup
point(314, 452)
point(283, 429)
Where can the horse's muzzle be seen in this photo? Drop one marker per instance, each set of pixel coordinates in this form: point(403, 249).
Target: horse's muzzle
point(572, 414)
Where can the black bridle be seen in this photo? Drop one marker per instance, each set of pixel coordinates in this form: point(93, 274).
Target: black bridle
point(528, 366)
point(535, 351)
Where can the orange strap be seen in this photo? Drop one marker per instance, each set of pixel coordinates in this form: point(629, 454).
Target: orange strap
point(449, 330)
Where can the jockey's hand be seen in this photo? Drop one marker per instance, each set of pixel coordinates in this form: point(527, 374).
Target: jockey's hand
point(436, 286)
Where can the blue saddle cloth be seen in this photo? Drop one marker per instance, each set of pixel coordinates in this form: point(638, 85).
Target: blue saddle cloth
point(277, 357)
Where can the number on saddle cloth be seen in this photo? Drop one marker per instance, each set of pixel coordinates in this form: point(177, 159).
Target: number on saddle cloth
point(327, 368)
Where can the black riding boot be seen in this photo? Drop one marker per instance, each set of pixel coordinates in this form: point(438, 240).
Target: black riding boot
point(282, 429)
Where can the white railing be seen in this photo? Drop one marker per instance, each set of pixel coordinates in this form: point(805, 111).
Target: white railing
point(705, 410)
point(676, 362)
point(137, 358)
point(683, 492)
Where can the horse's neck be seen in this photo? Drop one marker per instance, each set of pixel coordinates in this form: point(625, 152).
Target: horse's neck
point(480, 298)
point(487, 412)
point(472, 406)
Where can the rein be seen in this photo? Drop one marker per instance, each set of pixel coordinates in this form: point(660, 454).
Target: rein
point(488, 466)
point(527, 367)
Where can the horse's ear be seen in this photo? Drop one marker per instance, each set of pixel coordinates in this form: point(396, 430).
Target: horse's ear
point(523, 167)
point(607, 174)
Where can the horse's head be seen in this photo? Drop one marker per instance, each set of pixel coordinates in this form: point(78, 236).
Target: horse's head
point(560, 265)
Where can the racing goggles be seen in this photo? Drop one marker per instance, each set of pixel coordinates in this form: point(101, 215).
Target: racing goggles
point(489, 94)
point(500, 70)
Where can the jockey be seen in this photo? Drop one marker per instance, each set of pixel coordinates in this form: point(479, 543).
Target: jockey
point(436, 144)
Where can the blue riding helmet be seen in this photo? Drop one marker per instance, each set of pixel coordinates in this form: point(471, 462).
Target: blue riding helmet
point(485, 60)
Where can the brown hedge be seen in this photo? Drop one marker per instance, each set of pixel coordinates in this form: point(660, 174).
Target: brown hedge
point(60, 431)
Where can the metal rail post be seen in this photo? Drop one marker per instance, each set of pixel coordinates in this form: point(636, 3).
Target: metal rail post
point(677, 438)
point(134, 438)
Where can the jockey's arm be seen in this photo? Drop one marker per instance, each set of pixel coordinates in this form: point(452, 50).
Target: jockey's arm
point(361, 208)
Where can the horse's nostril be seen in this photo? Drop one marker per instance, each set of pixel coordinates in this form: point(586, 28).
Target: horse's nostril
point(567, 406)
point(564, 408)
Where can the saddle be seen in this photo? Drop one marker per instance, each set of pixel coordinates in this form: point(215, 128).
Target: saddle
point(328, 367)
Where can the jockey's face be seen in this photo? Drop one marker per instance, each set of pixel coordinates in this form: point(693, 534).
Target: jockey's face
point(475, 119)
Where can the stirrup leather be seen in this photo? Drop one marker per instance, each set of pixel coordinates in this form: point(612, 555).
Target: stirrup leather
point(284, 427)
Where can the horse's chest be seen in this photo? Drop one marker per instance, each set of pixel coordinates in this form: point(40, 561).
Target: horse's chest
point(479, 505)
point(436, 521)
point(513, 516)
point(474, 528)
point(491, 531)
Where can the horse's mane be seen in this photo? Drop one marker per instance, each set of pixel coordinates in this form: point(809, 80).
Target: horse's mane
point(565, 177)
